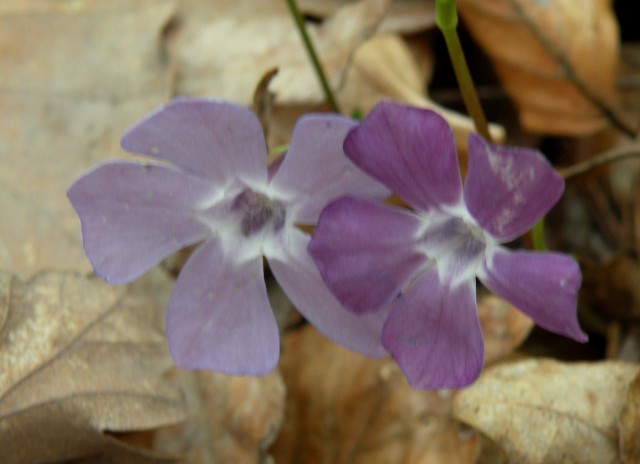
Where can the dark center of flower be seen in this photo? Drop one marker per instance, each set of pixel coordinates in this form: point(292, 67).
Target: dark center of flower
point(257, 211)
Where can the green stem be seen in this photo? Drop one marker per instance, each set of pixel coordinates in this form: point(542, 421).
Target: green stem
point(308, 45)
point(447, 22)
point(537, 234)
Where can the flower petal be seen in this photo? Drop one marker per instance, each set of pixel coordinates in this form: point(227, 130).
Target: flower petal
point(299, 278)
point(219, 316)
point(133, 215)
point(544, 286)
point(509, 188)
point(411, 151)
point(365, 252)
point(316, 170)
point(209, 138)
point(434, 334)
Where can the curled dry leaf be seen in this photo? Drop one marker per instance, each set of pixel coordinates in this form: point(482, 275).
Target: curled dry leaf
point(560, 60)
point(542, 411)
point(343, 408)
point(230, 419)
point(504, 327)
point(69, 96)
point(79, 357)
point(630, 423)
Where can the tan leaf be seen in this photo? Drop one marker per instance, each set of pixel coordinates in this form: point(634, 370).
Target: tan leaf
point(559, 62)
point(230, 419)
point(503, 327)
point(78, 357)
point(74, 75)
point(542, 411)
point(630, 423)
point(343, 408)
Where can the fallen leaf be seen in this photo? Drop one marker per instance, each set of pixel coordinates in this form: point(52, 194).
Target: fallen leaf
point(66, 99)
point(79, 357)
point(503, 326)
point(559, 63)
point(542, 411)
point(629, 423)
point(343, 408)
point(229, 419)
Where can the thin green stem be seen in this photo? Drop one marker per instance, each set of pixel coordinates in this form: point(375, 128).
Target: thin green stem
point(537, 234)
point(313, 56)
point(447, 22)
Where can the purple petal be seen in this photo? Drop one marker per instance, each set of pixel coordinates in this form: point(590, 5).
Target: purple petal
point(317, 171)
point(299, 278)
point(133, 215)
point(219, 316)
point(209, 138)
point(544, 286)
point(434, 334)
point(411, 151)
point(508, 189)
point(365, 252)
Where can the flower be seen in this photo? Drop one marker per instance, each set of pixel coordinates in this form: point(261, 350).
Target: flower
point(418, 268)
point(212, 186)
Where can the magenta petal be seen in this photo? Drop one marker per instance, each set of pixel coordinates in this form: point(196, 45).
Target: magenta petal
point(434, 334)
point(544, 286)
point(209, 138)
point(134, 215)
point(316, 169)
point(365, 252)
point(299, 278)
point(219, 316)
point(411, 151)
point(508, 188)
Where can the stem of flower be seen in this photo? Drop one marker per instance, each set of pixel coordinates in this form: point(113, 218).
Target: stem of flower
point(447, 22)
point(313, 56)
point(537, 234)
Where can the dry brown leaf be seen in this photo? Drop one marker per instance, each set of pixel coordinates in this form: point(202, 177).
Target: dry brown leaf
point(542, 411)
point(230, 419)
point(343, 408)
point(78, 357)
point(630, 424)
point(65, 99)
point(558, 60)
point(503, 326)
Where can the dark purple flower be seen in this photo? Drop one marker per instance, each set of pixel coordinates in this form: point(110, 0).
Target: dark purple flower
point(213, 186)
point(419, 267)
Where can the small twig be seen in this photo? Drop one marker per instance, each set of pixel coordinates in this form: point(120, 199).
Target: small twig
point(610, 156)
point(313, 56)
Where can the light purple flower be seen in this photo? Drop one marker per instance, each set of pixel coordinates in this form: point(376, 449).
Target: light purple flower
point(213, 186)
point(419, 267)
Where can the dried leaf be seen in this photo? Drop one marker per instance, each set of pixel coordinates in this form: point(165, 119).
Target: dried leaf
point(69, 96)
point(230, 419)
point(347, 409)
point(630, 423)
point(559, 64)
point(542, 411)
point(78, 357)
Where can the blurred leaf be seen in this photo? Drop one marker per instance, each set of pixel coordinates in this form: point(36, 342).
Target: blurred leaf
point(78, 357)
point(343, 408)
point(74, 75)
point(630, 423)
point(560, 58)
point(542, 411)
point(230, 419)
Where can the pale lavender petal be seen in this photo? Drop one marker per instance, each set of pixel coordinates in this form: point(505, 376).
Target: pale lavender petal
point(219, 316)
point(434, 334)
point(411, 151)
point(365, 252)
point(209, 138)
point(316, 170)
point(508, 189)
point(133, 215)
point(299, 278)
point(544, 286)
